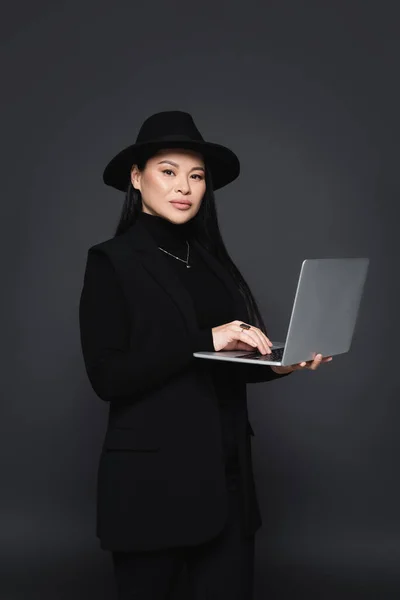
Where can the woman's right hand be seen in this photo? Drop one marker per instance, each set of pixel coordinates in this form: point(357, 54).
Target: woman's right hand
point(231, 336)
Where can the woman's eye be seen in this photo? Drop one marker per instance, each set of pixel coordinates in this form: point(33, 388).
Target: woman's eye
point(169, 171)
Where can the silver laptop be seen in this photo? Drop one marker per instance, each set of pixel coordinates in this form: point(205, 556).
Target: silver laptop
point(324, 314)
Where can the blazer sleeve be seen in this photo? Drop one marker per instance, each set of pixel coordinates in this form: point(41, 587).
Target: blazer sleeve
point(115, 367)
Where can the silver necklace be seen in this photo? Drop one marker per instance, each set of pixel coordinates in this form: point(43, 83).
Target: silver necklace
point(177, 257)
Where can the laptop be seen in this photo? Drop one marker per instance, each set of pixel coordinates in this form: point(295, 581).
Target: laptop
point(323, 318)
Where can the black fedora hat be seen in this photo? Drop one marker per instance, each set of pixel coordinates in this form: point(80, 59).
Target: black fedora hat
point(172, 129)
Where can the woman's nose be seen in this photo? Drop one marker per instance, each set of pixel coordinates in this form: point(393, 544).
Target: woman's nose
point(183, 186)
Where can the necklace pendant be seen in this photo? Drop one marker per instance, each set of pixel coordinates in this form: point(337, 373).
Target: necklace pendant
point(188, 266)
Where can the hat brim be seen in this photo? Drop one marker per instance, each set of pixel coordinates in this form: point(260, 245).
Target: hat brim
point(223, 164)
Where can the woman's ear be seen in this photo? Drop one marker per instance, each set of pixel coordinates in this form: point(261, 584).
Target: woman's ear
point(135, 177)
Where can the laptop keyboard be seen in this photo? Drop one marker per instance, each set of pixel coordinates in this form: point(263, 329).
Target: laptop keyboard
point(276, 355)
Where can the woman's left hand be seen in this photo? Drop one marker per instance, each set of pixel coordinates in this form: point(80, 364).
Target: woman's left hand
point(310, 364)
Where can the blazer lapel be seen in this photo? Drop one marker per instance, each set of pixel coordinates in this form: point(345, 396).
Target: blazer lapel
point(150, 257)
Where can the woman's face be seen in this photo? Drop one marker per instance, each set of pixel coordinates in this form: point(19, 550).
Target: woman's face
point(171, 175)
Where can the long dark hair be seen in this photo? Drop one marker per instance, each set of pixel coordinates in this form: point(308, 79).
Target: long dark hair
point(204, 227)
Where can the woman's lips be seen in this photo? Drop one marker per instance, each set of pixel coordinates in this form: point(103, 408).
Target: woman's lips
point(181, 205)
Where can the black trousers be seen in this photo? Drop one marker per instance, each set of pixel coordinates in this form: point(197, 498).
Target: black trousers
point(220, 568)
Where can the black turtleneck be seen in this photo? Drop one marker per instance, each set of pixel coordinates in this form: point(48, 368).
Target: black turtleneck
point(212, 303)
point(164, 231)
point(213, 307)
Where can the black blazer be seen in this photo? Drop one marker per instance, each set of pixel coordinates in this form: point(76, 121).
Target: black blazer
point(161, 479)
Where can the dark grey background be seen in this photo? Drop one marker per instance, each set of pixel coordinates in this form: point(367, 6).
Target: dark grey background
point(307, 94)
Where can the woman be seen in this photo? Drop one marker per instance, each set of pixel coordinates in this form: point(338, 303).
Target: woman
point(175, 482)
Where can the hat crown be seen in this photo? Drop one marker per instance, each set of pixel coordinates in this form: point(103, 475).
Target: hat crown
point(173, 124)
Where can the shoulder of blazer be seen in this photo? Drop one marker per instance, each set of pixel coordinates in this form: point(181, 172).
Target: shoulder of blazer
point(115, 246)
